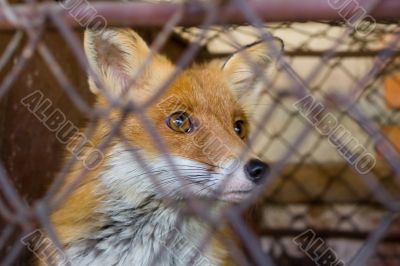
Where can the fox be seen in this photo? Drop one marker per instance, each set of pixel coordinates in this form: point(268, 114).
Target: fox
point(132, 208)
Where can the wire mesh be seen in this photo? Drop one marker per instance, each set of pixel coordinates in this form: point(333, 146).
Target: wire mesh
point(325, 119)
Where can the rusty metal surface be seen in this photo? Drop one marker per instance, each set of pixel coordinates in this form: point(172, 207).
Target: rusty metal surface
point(148, 14)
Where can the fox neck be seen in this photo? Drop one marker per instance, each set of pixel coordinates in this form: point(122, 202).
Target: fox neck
point(146, 234)
point(136, 227)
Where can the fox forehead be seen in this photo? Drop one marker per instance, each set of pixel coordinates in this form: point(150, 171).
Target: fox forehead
point(204, 94)
point(203, 90)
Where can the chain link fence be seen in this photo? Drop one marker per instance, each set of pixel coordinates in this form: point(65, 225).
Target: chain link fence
point(325, 118)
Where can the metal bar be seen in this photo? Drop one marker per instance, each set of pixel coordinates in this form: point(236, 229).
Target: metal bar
point(148, 14)
point(368, 249)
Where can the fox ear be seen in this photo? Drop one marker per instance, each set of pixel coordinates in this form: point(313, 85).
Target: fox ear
point(245, 67)
point(115, 54)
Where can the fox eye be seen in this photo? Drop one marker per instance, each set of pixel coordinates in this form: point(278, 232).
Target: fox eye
point(240, 129)
point(180, 122)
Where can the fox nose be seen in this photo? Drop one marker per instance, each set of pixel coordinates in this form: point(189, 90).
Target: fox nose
point(256, 170)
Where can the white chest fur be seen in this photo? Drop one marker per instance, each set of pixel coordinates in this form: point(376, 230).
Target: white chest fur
point(150, 235)
point(138, 229)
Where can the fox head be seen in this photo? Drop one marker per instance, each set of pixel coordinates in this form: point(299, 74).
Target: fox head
point(199, 118)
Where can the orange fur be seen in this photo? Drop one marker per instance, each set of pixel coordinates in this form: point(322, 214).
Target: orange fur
point(205, 90)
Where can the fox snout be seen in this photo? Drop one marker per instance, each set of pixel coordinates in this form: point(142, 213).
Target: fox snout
point(242, 178)
point(256, 170)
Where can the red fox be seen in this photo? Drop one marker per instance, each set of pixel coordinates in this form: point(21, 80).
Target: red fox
point(118, 215)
